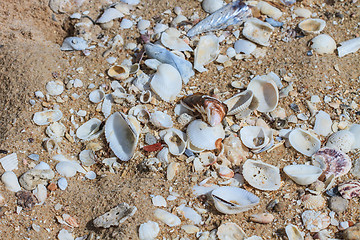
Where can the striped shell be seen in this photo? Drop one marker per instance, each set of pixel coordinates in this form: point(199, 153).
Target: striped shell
point(314, 202)
point(239, 102)
point(350, 189)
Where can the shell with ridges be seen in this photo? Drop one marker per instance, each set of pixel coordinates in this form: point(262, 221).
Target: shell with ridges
point(304, 142)
point(314, 221)
point(239, 102)
point(88, 130)
point(314, 202)
point(9, 162)
point(303, 174)
point(350, 189)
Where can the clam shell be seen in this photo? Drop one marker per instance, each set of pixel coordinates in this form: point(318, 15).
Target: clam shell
point(88, 130)
point(323, 123)
point(203, 136)
point(342, 140)
point(149, 230)
point(119, 72)
point(312, 25)
point(206, 51)
point(170, 39)
point(323, 44)
point(261, 175)
point(166, 82)
point(313, 202)
point(355, 129)
point(303, 174)
point(332, 161)
point(96, 96)
point(350, 189)
point(293, 233)
point(87, 157)
point(175, 139)
point(230, 231)
point(11, 181)
point(145, 96)
point(349, 46)
point(257, 31)
point(232, 200)
point(109, 15)
point(9, 162)
point(265, 91)
point(304, 142)
point(161, 120)
point(47, 116)
point(239, 102)
point(255, 137)
point(314, 221)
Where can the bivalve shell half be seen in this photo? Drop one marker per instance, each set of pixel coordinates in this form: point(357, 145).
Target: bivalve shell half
point(170, 39)
point(342, 140)
point(258, 31)
point(176, 141)
point(255, 137)
point(206, 51)
point(204, 136)
point(96, 96)
point(312, 25)
point(314, 221)
point(350, 189)
point(9, 162)
point(293, 233)
point(303, 174)
point(232, 200)
point(323, 44)
point(149, 230)
point(11, 181)
point(239, 102)
point(261, 175)
point(88, 130)
point(161, 120)
point(244, 46)
point(230, 231)
point(304, 142)
point(119, 72)
point(122, 134)
point(47, 116)
point(314, 202)
point(323, 123)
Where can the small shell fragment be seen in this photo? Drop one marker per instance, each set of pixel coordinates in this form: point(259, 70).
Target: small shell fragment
point(342, 140)
point(74, 43)
point(314, 221)
point(96, 96)
point(168, 218)
point(161, 120)
point(293, 233)
point(206, 51)
point(109, 15)
point(88, 130)
point(149, 230)
point(54, 88)
point(11, 181)
point(115, 216)
point(9, 162)
point(313, 202)
point(262, 218)
point(258, 31)
point(230, 231)
point(349, 46)
point(47, 116)
point(267, 9)
point(323, 123)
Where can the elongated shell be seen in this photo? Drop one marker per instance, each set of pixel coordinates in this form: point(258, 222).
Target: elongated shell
point(355, 129)
point(176, 141)
point(304, 142)
point(204, 136)
point(88, 129)
point(303, 174)
point(47, 116)
point(258, 31)
point(265, 91)
point(122, 134)
point(232, 200)
point(239, 102)
point(261, 175)
point(168, 218)
point(349, 46)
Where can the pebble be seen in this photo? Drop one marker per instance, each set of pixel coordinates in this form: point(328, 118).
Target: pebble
point(280, 207)
point(338, 204)
point(352, 233)
point(126, 24)
point(34, 157)
point(33, 177)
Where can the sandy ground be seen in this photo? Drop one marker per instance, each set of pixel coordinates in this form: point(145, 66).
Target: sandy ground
point(30, 57)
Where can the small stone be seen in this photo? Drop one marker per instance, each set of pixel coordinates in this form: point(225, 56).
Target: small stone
point(280, 207)
point(26, 200)
point(52, 187)
point(338, 204)
point(352, 233)
point(150, 139)
point(33, 177)
point(36, 227)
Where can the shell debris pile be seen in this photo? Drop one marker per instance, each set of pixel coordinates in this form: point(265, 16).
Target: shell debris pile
point(146, 108)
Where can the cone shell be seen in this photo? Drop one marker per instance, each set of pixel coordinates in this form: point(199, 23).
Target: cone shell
point(314, 202)
point(304, 142)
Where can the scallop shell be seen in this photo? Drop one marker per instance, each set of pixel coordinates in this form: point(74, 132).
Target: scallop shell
point(175, 139)
point(303, 174)
point(239, 102)
point(149, 230)
point(342, 140)
point(293, 233)
point(56, 130)
point(206, 51)
point(265, 91)
point(203, 136)
point(11, 181)
point(255, 137)
point(87, 157)
point(262, 218)
point(323, 44)
point(332, 161)
point(89, 129)
point(258, 31)
point(350, 189)
point(122, 134)
point(314, 221)
point(145, 96)
point(9, 162)
point(261, 175)
point(166, 82)
point(304, 142)
point(229, 231)
point(312, 25)
point(323, 123)
point(313, 202)
point(161, 120)
point(96, 96)
point(232, 200)
point(355, 129)
point(47, 116)
point(119, 72)
point(170, 39)
point(349, 46)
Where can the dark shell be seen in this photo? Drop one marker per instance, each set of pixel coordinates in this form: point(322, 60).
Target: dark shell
point(350, 189)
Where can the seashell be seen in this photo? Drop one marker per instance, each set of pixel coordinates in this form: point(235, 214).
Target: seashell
point(30, 179)
point(143, 24)
point(115, 216)
point(257, 31)
point(211, 109)
point(122, 134)
point(302, 12)
point(232, 200)
point(189, 229)
point(262, 218)
point(106, 105)
point(56, 130)
point(244, 46)
point(303, 174)
point(267, 9)
point(125, 6)
point(145, 97)
point(74, 43)
point(170, 39)
point(140, 112)
point(261, 175)
point(323, 123)
point(293, 233)
point(87, 157)
point(230, 231)
point(40, 192)
point(10, 181)
point(342, 140)
point(192, 148)
point(161, 120)
point(172, 171)
point(62, 183)
point(211, 6)
point(168, 218)
point(183, 66)
point(332, 161)
point(255, 137)
point(89, 130)
point(231, 14)
point(355, 130)
point(126, 23)
point(50, 145)
point(313, 202)
point(225, 172)
point(66, 168)
point(206, 51)
point(203, 136)
point(304, 142)
point(109, 15)
point(54, 88)
point(152, 63)
point(239, 102)
point(149, 230)
point(350, 189)
point(9, 162)
point(166, 82)
point(96, 96)
point(119, 72)
point(312, 25)
point(61, 6)
point(189, 213)
point(314, 221)
point(323, 43)
point(158, 201)
point(47, 116)
point(265, 91)
point(176, 141)
point(234, 150)
point(349, 46)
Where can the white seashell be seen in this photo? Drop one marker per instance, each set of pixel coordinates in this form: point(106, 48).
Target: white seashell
point(161, 120)
point(122, 134)
point(62, 183)
point(293, 233)
point(42, 166)
point(96, 96)
point(54, 88)
point(303, 174)
point(159, 28)
point(304, 142)
point(143, 24)
point(50, 145)
point(265, 91)
point(56, 130)
point(47, 116)
point(232, 200)
point(126, 23)
point(140, 112)
point(314, 221)
point(225, 172)
point(203, 136)
point(178, 19)
point(255, 137)
point(257, 31)
point(125, 6)
point(163, 155)
point(158, 201)
point(323, 123)
point(166, 82)
point(176, 141)
point(244, 46)
point(40, 192)
point(173, 41)
point(168, 218)
point(239, 102)
point(74, 43)
point(230, 231)
point(145, 97)
point(323, 43)
point(342, 140)
point(211, 6)
point(89, 129)
point(66, 168)
point(119, 72)
point(134, 68)
point(172, 170)
point(152, 63)
point(267, 9)
point(91, 175)
point(234, 150)
point(355, 130)
point(109, 15)
point(190, 229)
point(261, 175)
point(312, 25)
point(11, 181)
point(9, 162)
point(189, 213)
point(107, 105)
point(87, 157)
point(302, 12)
point(149, 230)
point(206, 51)
point(349, 46)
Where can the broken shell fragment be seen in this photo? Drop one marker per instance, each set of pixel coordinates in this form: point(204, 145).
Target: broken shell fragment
point(261, 175)
point(323, 44)
point(258, 31)
point(349, 46)
point(74, 43)
point(303, 174)
point(140, 112)
point(232, 200)
point(230, 231)
point(109, 15)
point(10, 181)
point(176, 141)
point(312, 25)
point(47, 116)
point(161, 120)
point(89, 129)
point(265, 91)
point(96, 96)
point(239, 102)
point(87, 157)
point(342, 140)
point(355, 129)
point(314, 221)
point(234, 150)
point(293, 233)
point(262, 218)
point(350, 189)
point(323, 123)
point(149, 230)
point(9, 162)
point(244, 46)
point(168, 218)
point(54, 88)
point(268, 9)
point(314, 202)
point(206, 51)
point(56, 130)
point(170, 39)
point(30, 179)
point(304, 142)
point(115, 216)
point(119, 72)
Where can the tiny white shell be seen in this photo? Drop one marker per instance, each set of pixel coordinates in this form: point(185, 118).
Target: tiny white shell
point(161, 120)
point(323, 44)
point(54, 88)
point(304, 142)
point(255, 137)
point(96, 96)
point(303, 174)
point(119, 72)
point(211, 6)
point(302, 12)
point(145, 97)
point(168, 218)
point(244, 46)
point(239, 102)
point(323, 123)
point(11, 181)
point(66, 168)
point(9, 162)
point(206, 51)
point(149, 230)
point(230, 231)
point(203, 136)
point(47, 116)
point(152, 63)
point(267, 9)
point(158, 201)
point(107, 105)
point(90, 175)
point(312, 25)
point(108, 15)
point(342, 140)
point(89, 129)
point(258, 31)
point(176, 141)
point(265, 91)
point(62, 183)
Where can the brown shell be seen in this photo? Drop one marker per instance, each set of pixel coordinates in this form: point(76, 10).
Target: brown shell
point(350, 189)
